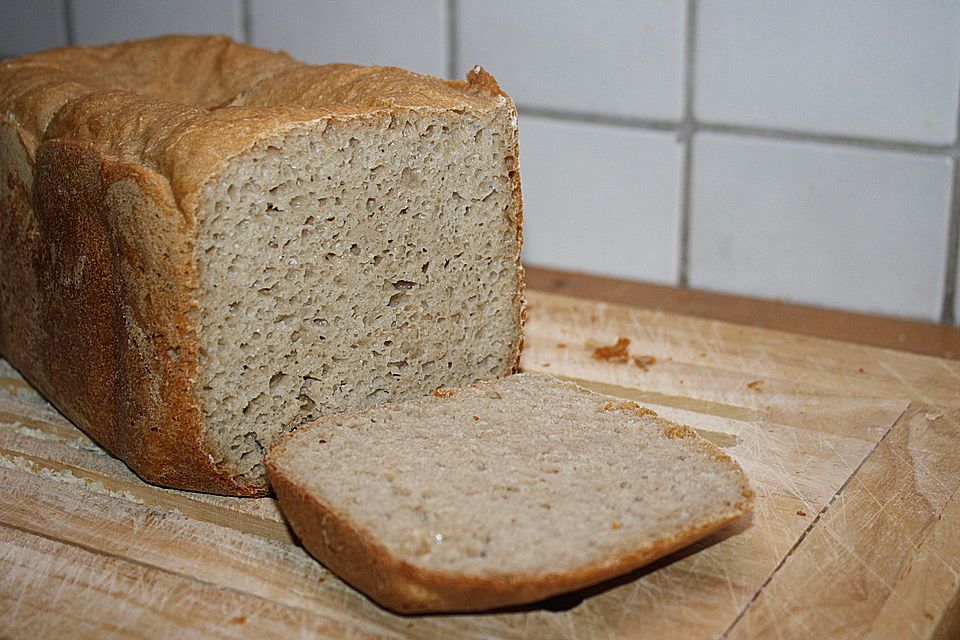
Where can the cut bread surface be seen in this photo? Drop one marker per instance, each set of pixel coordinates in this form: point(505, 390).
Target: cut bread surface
point(353, 263)
point(500, 493)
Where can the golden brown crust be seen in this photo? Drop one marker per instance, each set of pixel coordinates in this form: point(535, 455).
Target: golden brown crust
point(97, 274)
point(126, 377)
point(202, 71)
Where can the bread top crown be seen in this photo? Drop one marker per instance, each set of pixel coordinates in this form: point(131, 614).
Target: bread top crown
point(184, 105)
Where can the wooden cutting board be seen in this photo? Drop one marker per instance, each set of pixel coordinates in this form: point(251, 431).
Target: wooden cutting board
point(854, 453)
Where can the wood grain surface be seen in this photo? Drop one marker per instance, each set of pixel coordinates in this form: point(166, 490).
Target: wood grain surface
point(887, 332)
point(854, 453)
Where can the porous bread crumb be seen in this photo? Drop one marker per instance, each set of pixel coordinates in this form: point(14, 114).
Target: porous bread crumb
point(755, 385)
point(440, 392)
point(350, 264)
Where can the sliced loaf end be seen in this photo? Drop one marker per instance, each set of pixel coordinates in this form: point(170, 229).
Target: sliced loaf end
point(500, 493)
point(351, 262)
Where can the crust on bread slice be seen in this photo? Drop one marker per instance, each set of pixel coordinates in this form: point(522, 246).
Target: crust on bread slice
point(499, 494)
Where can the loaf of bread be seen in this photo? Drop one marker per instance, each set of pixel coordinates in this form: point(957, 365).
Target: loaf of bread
point(499, 494)
point(204, 245)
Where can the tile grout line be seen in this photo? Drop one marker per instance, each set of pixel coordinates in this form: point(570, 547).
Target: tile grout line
point(686, 180)
point(245, 21)
point(68, 22)
point(947, 313)
point(685, 136)
point(452, 40)
point(628, 122)
point(902, 146)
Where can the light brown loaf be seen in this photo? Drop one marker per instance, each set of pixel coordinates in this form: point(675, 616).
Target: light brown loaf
point(204, 244)
point(499, 494)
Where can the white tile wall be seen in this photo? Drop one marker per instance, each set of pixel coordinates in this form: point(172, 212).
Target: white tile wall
point(31, 25)
point(855, 228)
point(101, 21)
point(604, 56)
point(410, 34)
point(601, 199)
point(833, 190)
point(884, 68)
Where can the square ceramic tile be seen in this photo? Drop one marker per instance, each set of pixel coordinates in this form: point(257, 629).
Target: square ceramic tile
point(411, 34)
point(826, 225)
point(886, 68)
point(606, 56)
point(600, 199)
point(31, 25)
point(102, 21)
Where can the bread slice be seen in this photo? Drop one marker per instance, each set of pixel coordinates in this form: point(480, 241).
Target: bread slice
point(500, 493)
point(204, 244)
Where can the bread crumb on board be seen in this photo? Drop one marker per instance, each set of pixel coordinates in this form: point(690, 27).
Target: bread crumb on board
point(619, 352)
point(628, 405)
point(440, 392)
point(801, 512)
point(674, 431)
point(755, 385)
point(644, 362)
